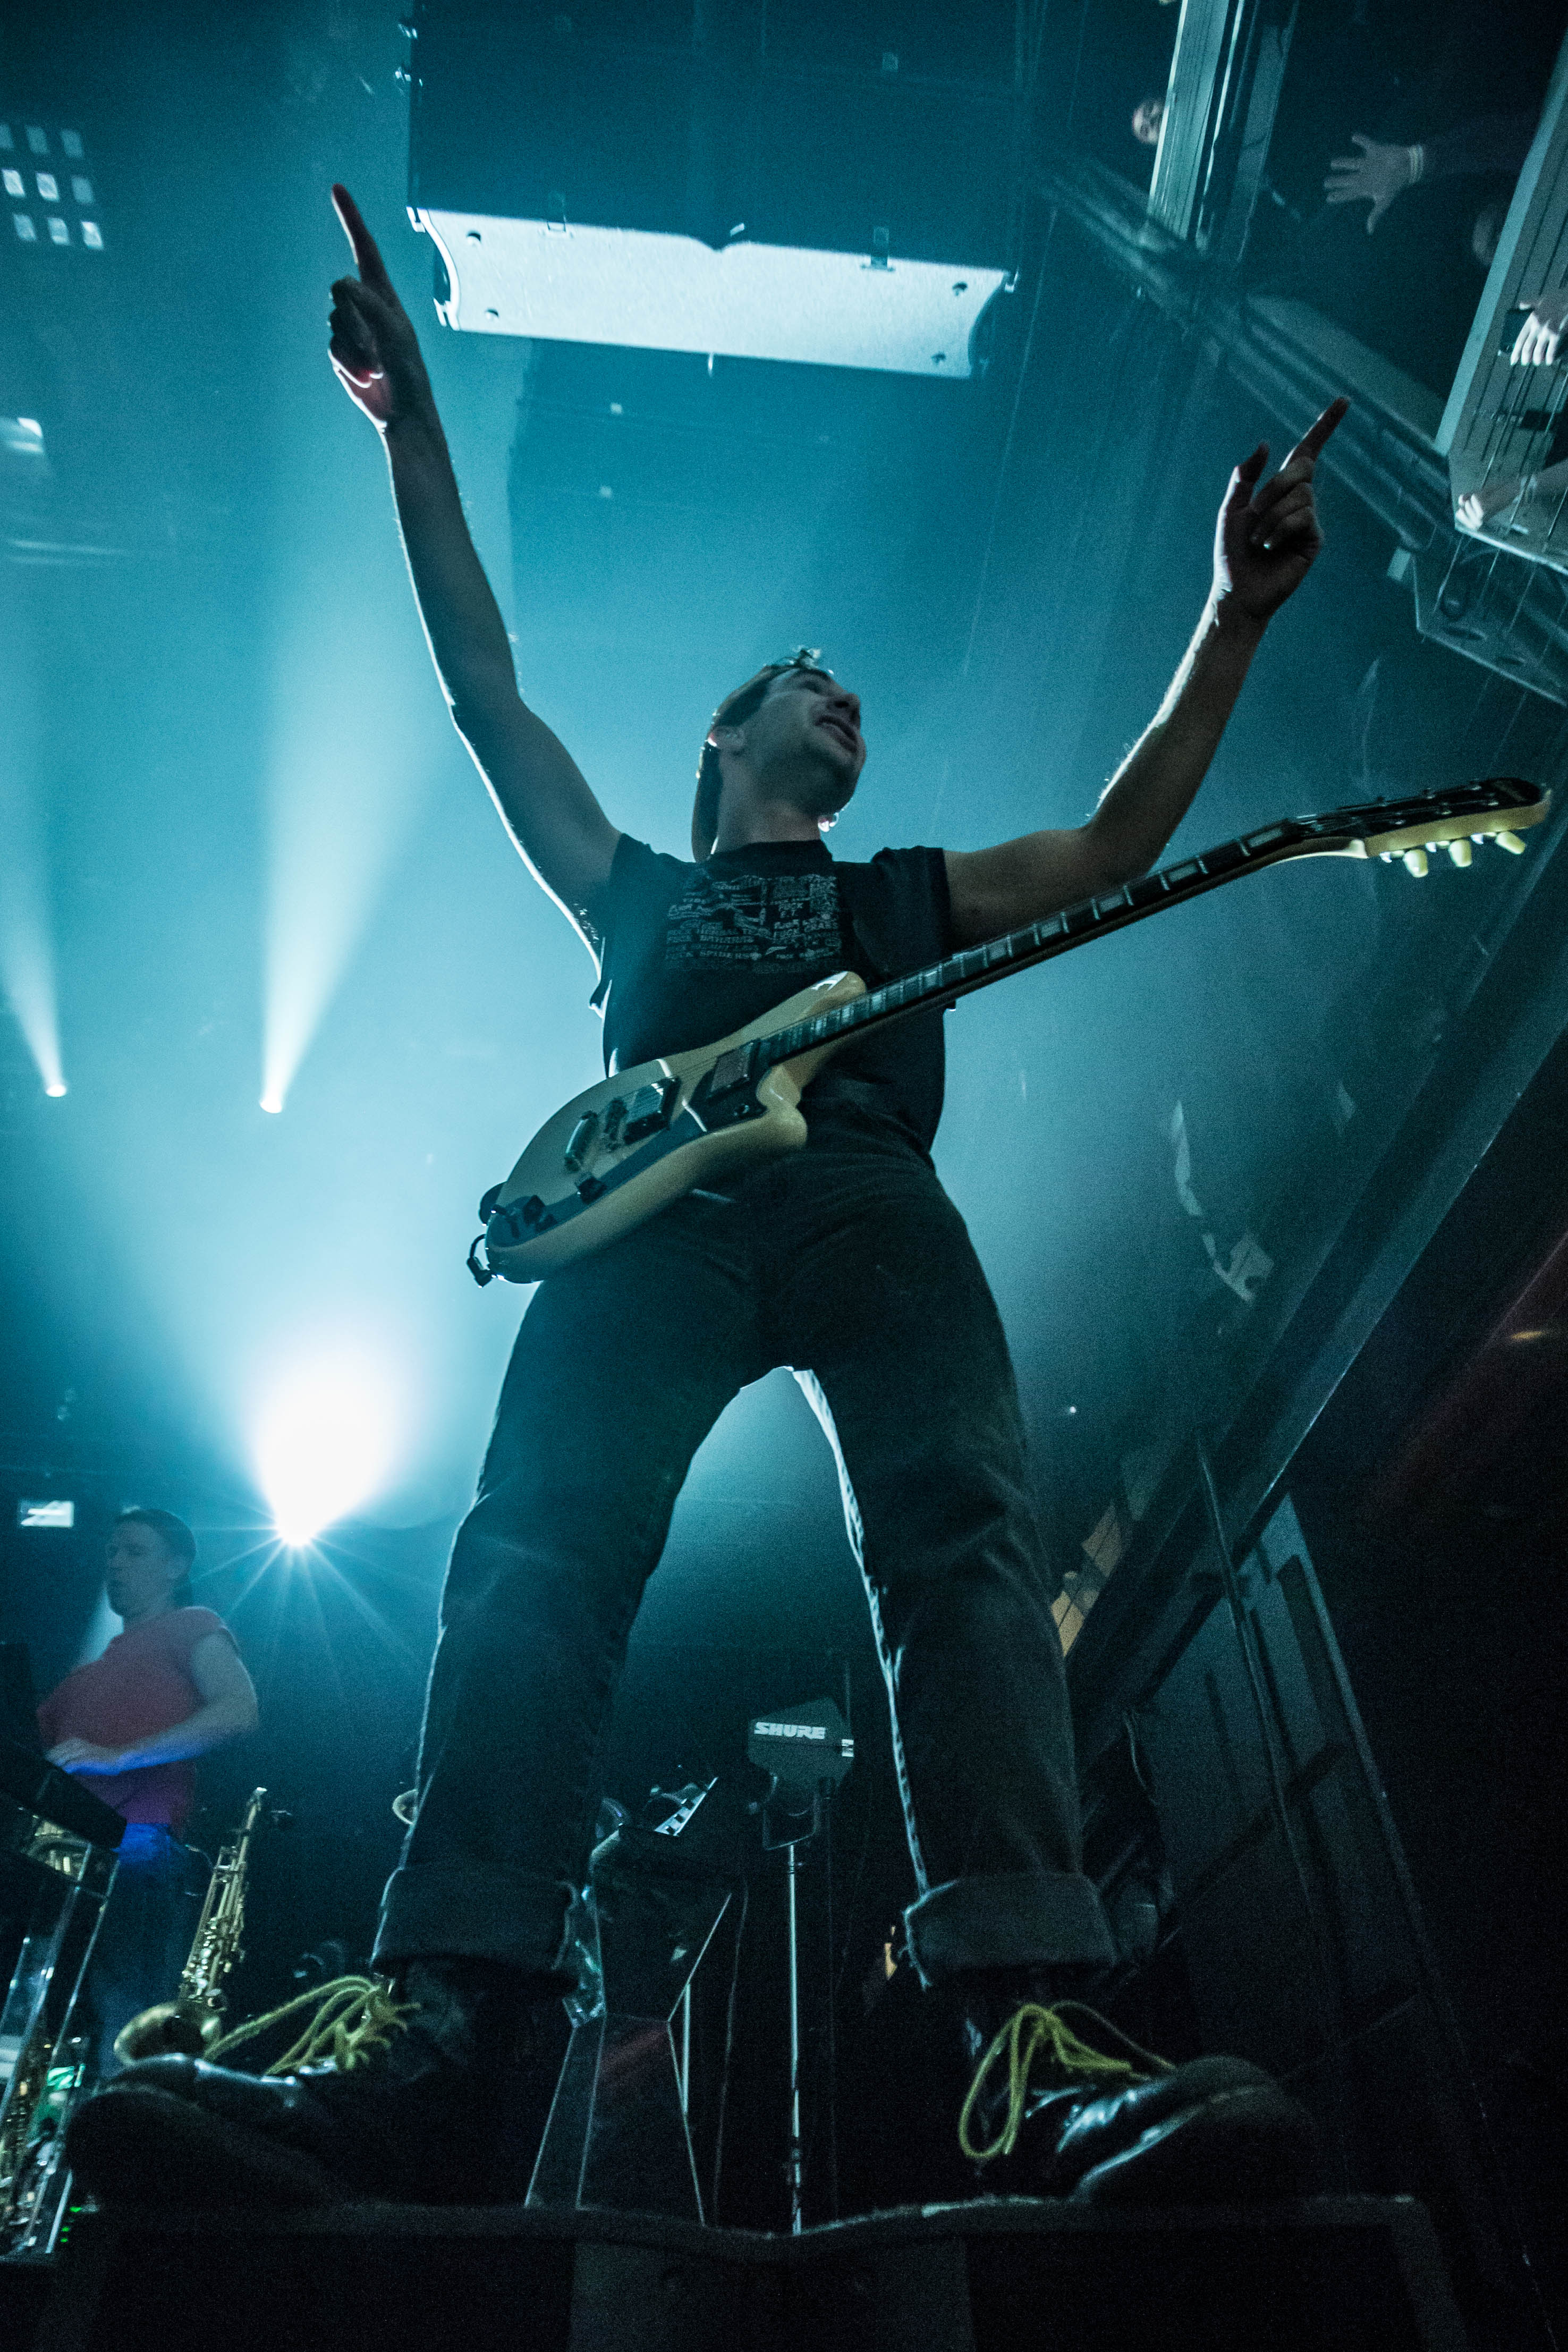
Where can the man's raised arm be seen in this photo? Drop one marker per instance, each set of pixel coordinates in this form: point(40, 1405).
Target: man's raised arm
point(1265, 543)
point(542, 795)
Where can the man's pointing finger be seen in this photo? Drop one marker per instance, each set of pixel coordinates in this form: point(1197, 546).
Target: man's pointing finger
point(1310, 447)
point(367, 253)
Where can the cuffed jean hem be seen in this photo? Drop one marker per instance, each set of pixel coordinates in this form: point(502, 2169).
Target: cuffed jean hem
point(1022, 1919)
point(454, 1911)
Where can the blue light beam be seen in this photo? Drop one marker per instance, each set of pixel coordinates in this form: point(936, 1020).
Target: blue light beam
point(342, 789)
point(26, 948)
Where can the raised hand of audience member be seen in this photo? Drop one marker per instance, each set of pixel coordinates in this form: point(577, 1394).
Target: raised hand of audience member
point(1477, 507)
point(1374, 178)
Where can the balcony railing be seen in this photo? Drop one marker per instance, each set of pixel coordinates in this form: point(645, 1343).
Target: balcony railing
point(1499, 593)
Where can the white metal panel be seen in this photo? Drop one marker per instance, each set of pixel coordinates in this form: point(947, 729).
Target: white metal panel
point(583, 285)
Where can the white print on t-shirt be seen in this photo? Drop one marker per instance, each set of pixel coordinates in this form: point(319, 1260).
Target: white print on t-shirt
point(749, 918)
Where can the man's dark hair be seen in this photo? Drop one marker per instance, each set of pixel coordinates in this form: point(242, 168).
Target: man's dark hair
point(176, 1538)
point(734, 712)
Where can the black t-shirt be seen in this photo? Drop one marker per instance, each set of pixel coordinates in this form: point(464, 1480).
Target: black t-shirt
point(692, 952)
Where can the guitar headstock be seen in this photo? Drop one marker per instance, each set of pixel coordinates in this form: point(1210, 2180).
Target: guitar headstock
point(1499, 809)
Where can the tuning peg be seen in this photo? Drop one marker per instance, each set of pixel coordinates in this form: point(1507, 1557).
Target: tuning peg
point(1460, 852)
point(1416, 862)
point(1510, 842)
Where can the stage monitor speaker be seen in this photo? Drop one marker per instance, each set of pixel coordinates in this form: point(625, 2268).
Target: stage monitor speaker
point(696, 188)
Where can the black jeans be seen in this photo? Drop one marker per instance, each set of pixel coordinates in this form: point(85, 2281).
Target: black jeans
point(850, 1263)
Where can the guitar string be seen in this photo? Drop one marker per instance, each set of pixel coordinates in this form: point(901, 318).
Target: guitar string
point(960, 971)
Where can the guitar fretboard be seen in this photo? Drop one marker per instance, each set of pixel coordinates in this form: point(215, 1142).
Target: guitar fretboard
point(977, 967)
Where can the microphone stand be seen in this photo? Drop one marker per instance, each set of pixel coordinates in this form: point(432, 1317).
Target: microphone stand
point(806, 1752)
point(777, 1815)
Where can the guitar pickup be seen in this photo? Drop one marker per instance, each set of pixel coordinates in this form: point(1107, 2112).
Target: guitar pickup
point(726, 1094)
point(648, 1110)
point(732, 1069)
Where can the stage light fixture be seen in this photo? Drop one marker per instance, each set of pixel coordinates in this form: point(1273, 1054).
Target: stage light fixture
point(57, 1511)
point(323, 1445)
point(590, 285)
point(745, 196)
point(47, 188)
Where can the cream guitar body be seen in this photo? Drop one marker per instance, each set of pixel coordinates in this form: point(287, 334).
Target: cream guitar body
point(638, 1141)
point(634, 1143)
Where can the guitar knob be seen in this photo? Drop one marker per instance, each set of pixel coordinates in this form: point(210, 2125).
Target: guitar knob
point(1510, 842)
point(1416, 862)
point(1460, 852)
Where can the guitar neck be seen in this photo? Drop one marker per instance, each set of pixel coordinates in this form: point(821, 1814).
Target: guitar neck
point(1343, 833)
point(978, 967)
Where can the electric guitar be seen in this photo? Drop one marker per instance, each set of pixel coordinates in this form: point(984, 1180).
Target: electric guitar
point(615, 1155)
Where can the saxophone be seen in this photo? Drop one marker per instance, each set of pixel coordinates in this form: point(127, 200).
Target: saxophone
point(192, 2021)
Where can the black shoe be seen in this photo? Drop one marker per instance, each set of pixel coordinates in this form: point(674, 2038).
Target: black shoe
point(444, 2109)
point(1048, 2116)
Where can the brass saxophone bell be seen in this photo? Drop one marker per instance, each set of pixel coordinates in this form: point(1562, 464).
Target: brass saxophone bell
point(170, 2028)
point(192, 2022)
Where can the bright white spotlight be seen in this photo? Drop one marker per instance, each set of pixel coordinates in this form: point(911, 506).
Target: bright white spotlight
point(324, 1443)
point(59, 1089)
point(271, 1102)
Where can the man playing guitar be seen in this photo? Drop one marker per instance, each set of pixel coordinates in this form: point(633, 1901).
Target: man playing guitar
point(845, 1260)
